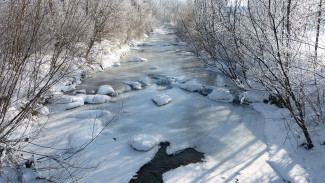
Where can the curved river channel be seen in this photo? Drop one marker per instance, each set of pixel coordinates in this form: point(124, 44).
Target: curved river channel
point(231, 136)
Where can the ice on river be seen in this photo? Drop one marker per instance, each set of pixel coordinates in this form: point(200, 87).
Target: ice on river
point(90, 114)
point(138, 59)
point(232, 137)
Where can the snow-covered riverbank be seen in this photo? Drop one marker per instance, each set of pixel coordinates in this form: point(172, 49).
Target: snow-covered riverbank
point(239, 143)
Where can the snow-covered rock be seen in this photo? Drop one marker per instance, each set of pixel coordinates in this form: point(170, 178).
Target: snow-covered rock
point(192, 85)
point(138, 59)
point(134, 85)
point(221, 95)
point(95, 99)
point(75, 102)
point(162, 99)
point(154, 67)
point(106, 90)
point(143, 142)
point(90, 114)
point(146, 81)
point(250, 97)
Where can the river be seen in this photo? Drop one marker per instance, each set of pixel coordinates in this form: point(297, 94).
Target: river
point(231, 136)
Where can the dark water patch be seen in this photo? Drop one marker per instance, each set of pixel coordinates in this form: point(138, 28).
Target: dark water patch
point(163, 162)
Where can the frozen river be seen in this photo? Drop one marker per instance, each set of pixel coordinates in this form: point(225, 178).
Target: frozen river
point(230, 135)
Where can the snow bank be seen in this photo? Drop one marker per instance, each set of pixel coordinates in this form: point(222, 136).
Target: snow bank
point(106, 90)
point(146, 81)
point(134, 85)
point(87, 128)
point(291, 161)
point(162, 99)
point(192, 85)
point(94, 99)
point(90, 114)
point(143, 142)
point(221, 95)
point(138, 59)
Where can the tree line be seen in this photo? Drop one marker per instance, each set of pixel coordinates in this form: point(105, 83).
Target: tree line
point(261, 45)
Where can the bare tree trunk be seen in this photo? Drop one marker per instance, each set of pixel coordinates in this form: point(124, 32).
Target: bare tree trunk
point(318, 26)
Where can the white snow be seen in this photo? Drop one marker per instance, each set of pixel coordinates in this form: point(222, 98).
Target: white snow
point(90, 114)
point(146, 81)
point(143, 142)
point(162, 99)
point(138, 59)
point(95, 99)
point(239, 144)
point(221, 95)
point(105, 90)
point(192, 85)
point(133, 84)
point(293, 162)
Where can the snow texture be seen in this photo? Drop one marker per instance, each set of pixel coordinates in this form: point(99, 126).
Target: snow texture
point(138, 59)
point(221, 95)
point(90, 114)
point(143, 142)
point(162, 99)
point(95, 99)
point(293, 162)
point(192, 85)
